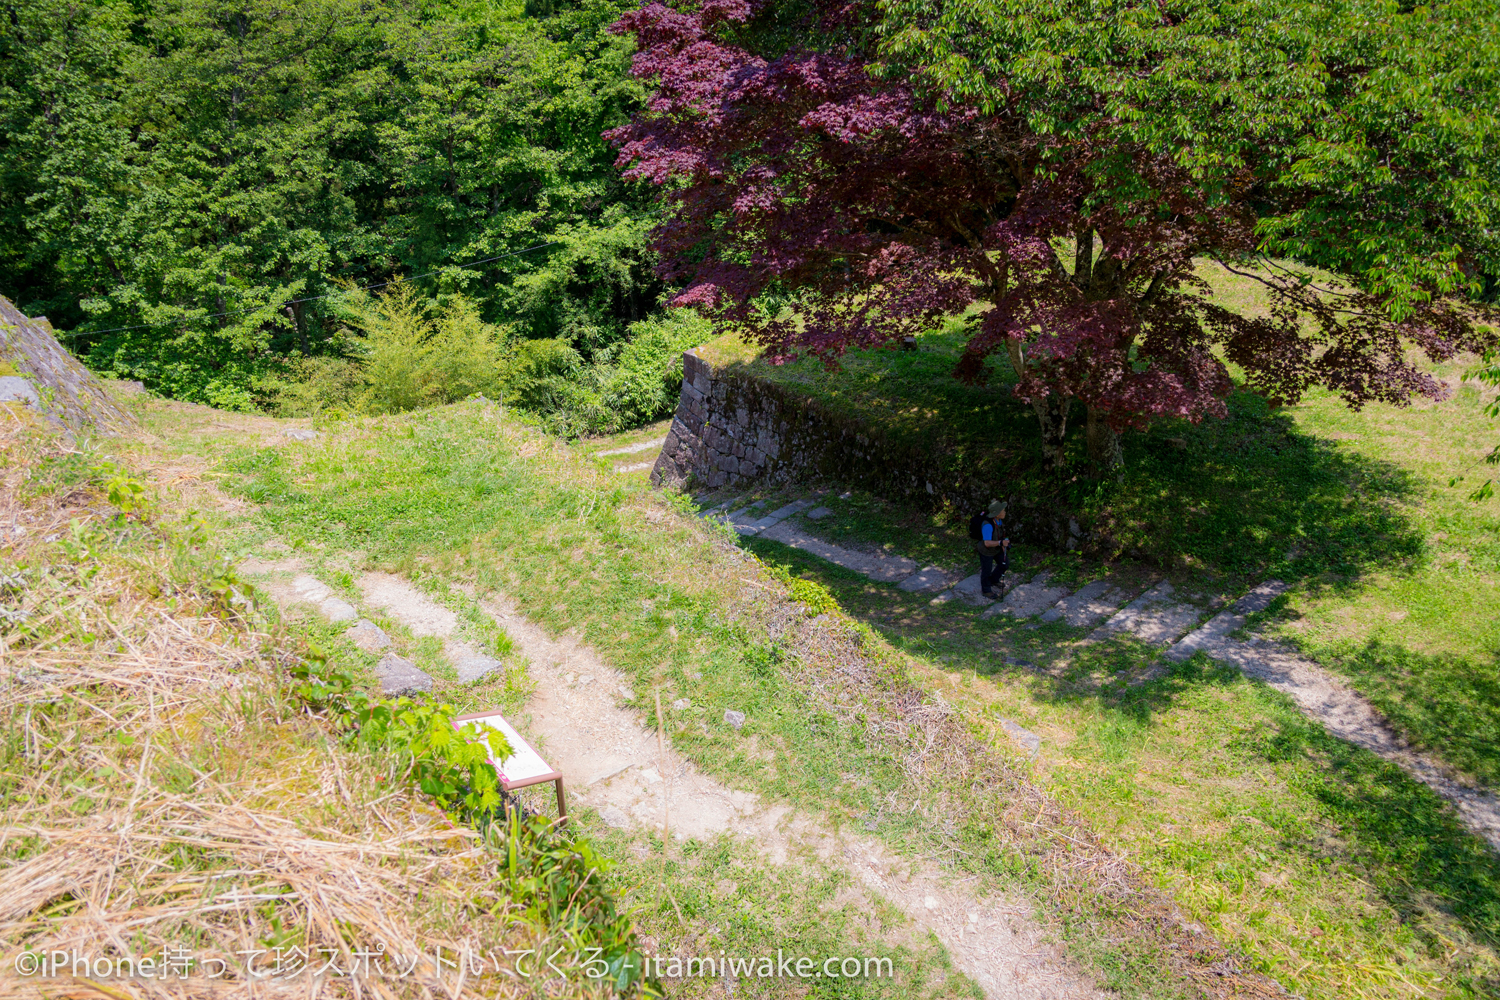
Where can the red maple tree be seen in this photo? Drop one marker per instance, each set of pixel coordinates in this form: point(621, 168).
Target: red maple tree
point(823, 207)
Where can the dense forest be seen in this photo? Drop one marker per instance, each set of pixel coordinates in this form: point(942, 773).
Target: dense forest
point(198, 192)
point(371, 205)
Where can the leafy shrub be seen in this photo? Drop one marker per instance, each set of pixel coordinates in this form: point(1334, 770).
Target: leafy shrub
point(644, 384)
point(124, 491)
point(465, 355)
point(809, 592)
point(409, 360)
point(407, 352)
point(629, 384)
point(199, 368)
point(308, 387)
point(402, 353)
point(543, 375)
point(558, 879)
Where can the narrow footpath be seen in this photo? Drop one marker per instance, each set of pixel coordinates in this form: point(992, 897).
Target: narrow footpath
point(1157, 617)
point(583, 718)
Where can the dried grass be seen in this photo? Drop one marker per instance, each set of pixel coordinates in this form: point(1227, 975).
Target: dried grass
point(160, 791)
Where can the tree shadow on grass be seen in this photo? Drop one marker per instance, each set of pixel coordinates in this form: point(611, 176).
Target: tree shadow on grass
point(1443, 703)
point(1254, 496)
point(1398, 835)
point(1250, 494)
point(1409, 845)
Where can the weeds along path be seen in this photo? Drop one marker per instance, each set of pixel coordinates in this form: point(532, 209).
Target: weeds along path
point(162, 793)
point(617, 767)
point(918, 828)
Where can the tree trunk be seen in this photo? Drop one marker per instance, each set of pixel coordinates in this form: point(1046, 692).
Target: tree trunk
point(293, 312)
point(1052, 414)
point(1104, 444)
point(301, 321)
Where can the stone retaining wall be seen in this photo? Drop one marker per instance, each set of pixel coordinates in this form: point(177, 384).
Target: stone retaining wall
point(732, 429)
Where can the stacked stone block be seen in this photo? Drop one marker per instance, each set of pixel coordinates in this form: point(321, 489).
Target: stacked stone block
point(731, 428)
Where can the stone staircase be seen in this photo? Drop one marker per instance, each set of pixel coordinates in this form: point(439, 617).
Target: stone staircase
point(651, 449)
point(1159, 617)
point(1154, 616)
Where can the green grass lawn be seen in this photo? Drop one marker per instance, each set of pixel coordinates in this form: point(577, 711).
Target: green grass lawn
point(1337, 872)
point(1395, 574)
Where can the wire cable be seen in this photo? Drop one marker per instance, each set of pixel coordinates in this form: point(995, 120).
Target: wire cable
point(312, 298)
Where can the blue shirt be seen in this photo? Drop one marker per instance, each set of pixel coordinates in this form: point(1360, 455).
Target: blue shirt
point(989, 531)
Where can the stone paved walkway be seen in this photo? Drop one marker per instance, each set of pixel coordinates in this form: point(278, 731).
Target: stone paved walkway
point(381, 591)
point(636, 448)
point(1322, 696)
point(1158, 618)
point(1154, 617)
point(1089, 605)
point(882, 567)
point(1027, 600)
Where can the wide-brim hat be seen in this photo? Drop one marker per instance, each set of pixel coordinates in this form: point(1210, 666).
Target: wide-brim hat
point(997, 508)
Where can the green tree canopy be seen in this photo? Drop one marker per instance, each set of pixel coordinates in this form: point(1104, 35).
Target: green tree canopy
point(206, 175)
point(1363, 134)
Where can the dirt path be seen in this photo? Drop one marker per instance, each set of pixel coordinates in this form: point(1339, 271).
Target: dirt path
point(585, 728)
point(581, 721)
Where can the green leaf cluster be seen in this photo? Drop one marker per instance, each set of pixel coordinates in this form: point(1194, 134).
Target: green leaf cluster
point(450, 763)
point(1487, 372)
point(190, 186)
point(1363, 135)
point(558, 880)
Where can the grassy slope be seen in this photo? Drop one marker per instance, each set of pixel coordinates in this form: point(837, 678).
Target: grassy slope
point(162, 788)
point(461, 495)
point(1396, 575)
point(1335, 871)
point(1330, 869)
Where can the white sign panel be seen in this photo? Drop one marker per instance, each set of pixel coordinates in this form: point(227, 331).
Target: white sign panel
point(523, 763)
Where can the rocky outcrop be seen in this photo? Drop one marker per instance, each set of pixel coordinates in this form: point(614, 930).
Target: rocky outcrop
point(37, 372)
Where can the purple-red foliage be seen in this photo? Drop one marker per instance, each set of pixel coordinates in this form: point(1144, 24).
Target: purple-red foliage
point(824, 208)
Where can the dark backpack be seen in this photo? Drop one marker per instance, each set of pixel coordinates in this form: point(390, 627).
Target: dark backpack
point(976, 525)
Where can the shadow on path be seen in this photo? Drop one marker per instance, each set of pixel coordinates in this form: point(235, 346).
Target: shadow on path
point(1395, 832)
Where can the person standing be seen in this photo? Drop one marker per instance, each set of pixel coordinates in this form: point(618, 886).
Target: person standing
point(992, 544)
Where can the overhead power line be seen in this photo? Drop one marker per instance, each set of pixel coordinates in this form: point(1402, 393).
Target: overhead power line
point(313, 298)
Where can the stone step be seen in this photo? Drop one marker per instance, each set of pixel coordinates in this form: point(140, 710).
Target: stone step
point(877, 566)
point(1154, 618)
point(1329, 700)
point(752, 520)
point(1213, 637)
point(742, 519)
point(780, 514)
point(1089, 605)
point(966, 590)
point(925, 581)
point(632, 449)
point(1028, 599)
point(1025, 737)
point(883, 567)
